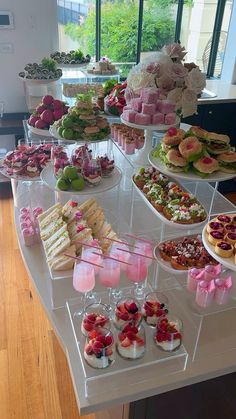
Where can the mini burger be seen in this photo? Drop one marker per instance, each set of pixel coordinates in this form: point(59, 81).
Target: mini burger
point(191, 149)
point(198, 132)
point(173, 137)
point(217, 143)
point(227, 162)
point(206, 165)
point(175, 162)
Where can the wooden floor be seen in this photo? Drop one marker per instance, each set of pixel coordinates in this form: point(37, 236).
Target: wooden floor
point(34, 378)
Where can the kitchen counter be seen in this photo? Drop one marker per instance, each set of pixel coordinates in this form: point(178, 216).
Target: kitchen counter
point(225, 92)
point(209, 337)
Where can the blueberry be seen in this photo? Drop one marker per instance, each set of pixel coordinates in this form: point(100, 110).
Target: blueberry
point(162, 305)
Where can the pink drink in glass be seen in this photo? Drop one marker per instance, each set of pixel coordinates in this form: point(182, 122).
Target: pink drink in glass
point(146, 249)
point(88, 254)
point(118, 254)
point(83, 277)
point(109, 275)
point(137, 271)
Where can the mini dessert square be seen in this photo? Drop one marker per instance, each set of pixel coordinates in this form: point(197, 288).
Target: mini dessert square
point(148, 108)
point(165, 106)
point(142, 119)
point(158, 118)
point(136, 104)
point(129, 115)
point(170, 118)
point(149, 95)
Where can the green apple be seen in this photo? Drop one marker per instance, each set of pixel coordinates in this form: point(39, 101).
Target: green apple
point(62, 184)
point(67, 133)
point(70, 172)
point(78, 184)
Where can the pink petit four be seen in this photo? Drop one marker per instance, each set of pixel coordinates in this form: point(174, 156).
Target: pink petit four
point(129, 116)
point(142, 119)
point(149, 95)
point(28, 236)
point(165, 106)
point(223, 288)
point(136, 104)
point(205, 293)
point(158, 118)
point(194, 276)
point(149, 108)
point(170, 118)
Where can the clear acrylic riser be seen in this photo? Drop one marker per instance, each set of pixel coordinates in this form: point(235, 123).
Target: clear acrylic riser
point(124, 370)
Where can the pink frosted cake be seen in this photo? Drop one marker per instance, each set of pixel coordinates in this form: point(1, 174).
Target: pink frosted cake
point(165, 106)
point(129, 115)
point(142, 119)
point(158, 118)
point(149, 95)
point(136, 104)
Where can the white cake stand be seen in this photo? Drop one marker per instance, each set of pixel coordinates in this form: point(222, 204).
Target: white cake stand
point(141, 157)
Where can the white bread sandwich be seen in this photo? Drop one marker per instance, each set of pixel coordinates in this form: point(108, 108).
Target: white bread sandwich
point(54, 237)
point(85, 206)
point(59, 246)
point(48, 230)
point(48, 211)
point(52, 216)
point(62, 262)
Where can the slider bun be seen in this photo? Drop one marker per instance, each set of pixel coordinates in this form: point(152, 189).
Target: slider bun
point(91, 130)
point(206, 165)
point(221, 138)
point(190, 146)
point(199, 132)
point(174, 139)
point(175, 158)
point(229, 157)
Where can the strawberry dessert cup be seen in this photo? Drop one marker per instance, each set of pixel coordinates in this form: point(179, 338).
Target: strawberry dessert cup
point(131, 342)
point(99, 348)
point(95, 316)
point(154, 306)
point(127, 310)
point(168, 336)
point(92, 172)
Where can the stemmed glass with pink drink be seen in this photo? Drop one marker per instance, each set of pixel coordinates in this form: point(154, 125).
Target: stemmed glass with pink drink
point(109, 277)
point(83, 281)
point(93, 253)
point(137, 273)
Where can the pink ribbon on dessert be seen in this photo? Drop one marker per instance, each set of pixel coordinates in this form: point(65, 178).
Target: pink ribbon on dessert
point(213, 270)
point(37, 211)
point(78, 215)
point(206, 286)
point(25, 217)
point(224, 283)
point(25, 210)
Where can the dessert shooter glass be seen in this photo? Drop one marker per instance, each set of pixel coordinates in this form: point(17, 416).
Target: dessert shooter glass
point(99, 349)
point(92, 172)
point(131, 341)
point(127, 310)
point(168, 333)
point(154, 306)
point(95, 316)
point(60, 157)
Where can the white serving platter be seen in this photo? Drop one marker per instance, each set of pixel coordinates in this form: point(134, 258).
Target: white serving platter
point(47, 176)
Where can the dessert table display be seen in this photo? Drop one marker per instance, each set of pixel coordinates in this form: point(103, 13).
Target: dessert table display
point(185, 365)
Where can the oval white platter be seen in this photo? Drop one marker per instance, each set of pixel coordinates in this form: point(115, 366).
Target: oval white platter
point(3, 171)
point(227, 262)
point(150, 127)
point(166, 265)
point(213, 177)
point(47, 176)
point(164, 219)
point(37, 131)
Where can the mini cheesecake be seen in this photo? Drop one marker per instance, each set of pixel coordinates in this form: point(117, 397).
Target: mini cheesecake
point(224, 249)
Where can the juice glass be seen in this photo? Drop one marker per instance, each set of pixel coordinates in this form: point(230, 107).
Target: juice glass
point(83, 281)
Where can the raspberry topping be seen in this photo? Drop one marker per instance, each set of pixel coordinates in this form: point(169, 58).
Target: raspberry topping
point(172, 131)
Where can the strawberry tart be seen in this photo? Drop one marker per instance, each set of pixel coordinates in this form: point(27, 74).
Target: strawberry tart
point(131, 342)
point(168, 334)
point(127, 310)
point(99, 349)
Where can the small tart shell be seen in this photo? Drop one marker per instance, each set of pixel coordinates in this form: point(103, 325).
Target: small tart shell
point(223, 222)
point(224, 253)
point(230, 228)
point(229, 239)
point(211, 227)
point(213, 240)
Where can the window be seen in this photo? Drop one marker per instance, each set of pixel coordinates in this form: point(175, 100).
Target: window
point(127, 30)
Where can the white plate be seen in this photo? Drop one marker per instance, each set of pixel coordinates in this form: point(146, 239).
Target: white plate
point(47, 176)
point(150, 127)
point(37, 131)
point(53, 132)
point(3, 171)
point(227, 262)
point(166, 265)
point(164, 219)
point(214, 177)
point(38, 81)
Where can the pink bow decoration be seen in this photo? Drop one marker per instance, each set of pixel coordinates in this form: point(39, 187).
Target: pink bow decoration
point(78, 215)
point(207, 286)
point(224, 283)
point(212, 271)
